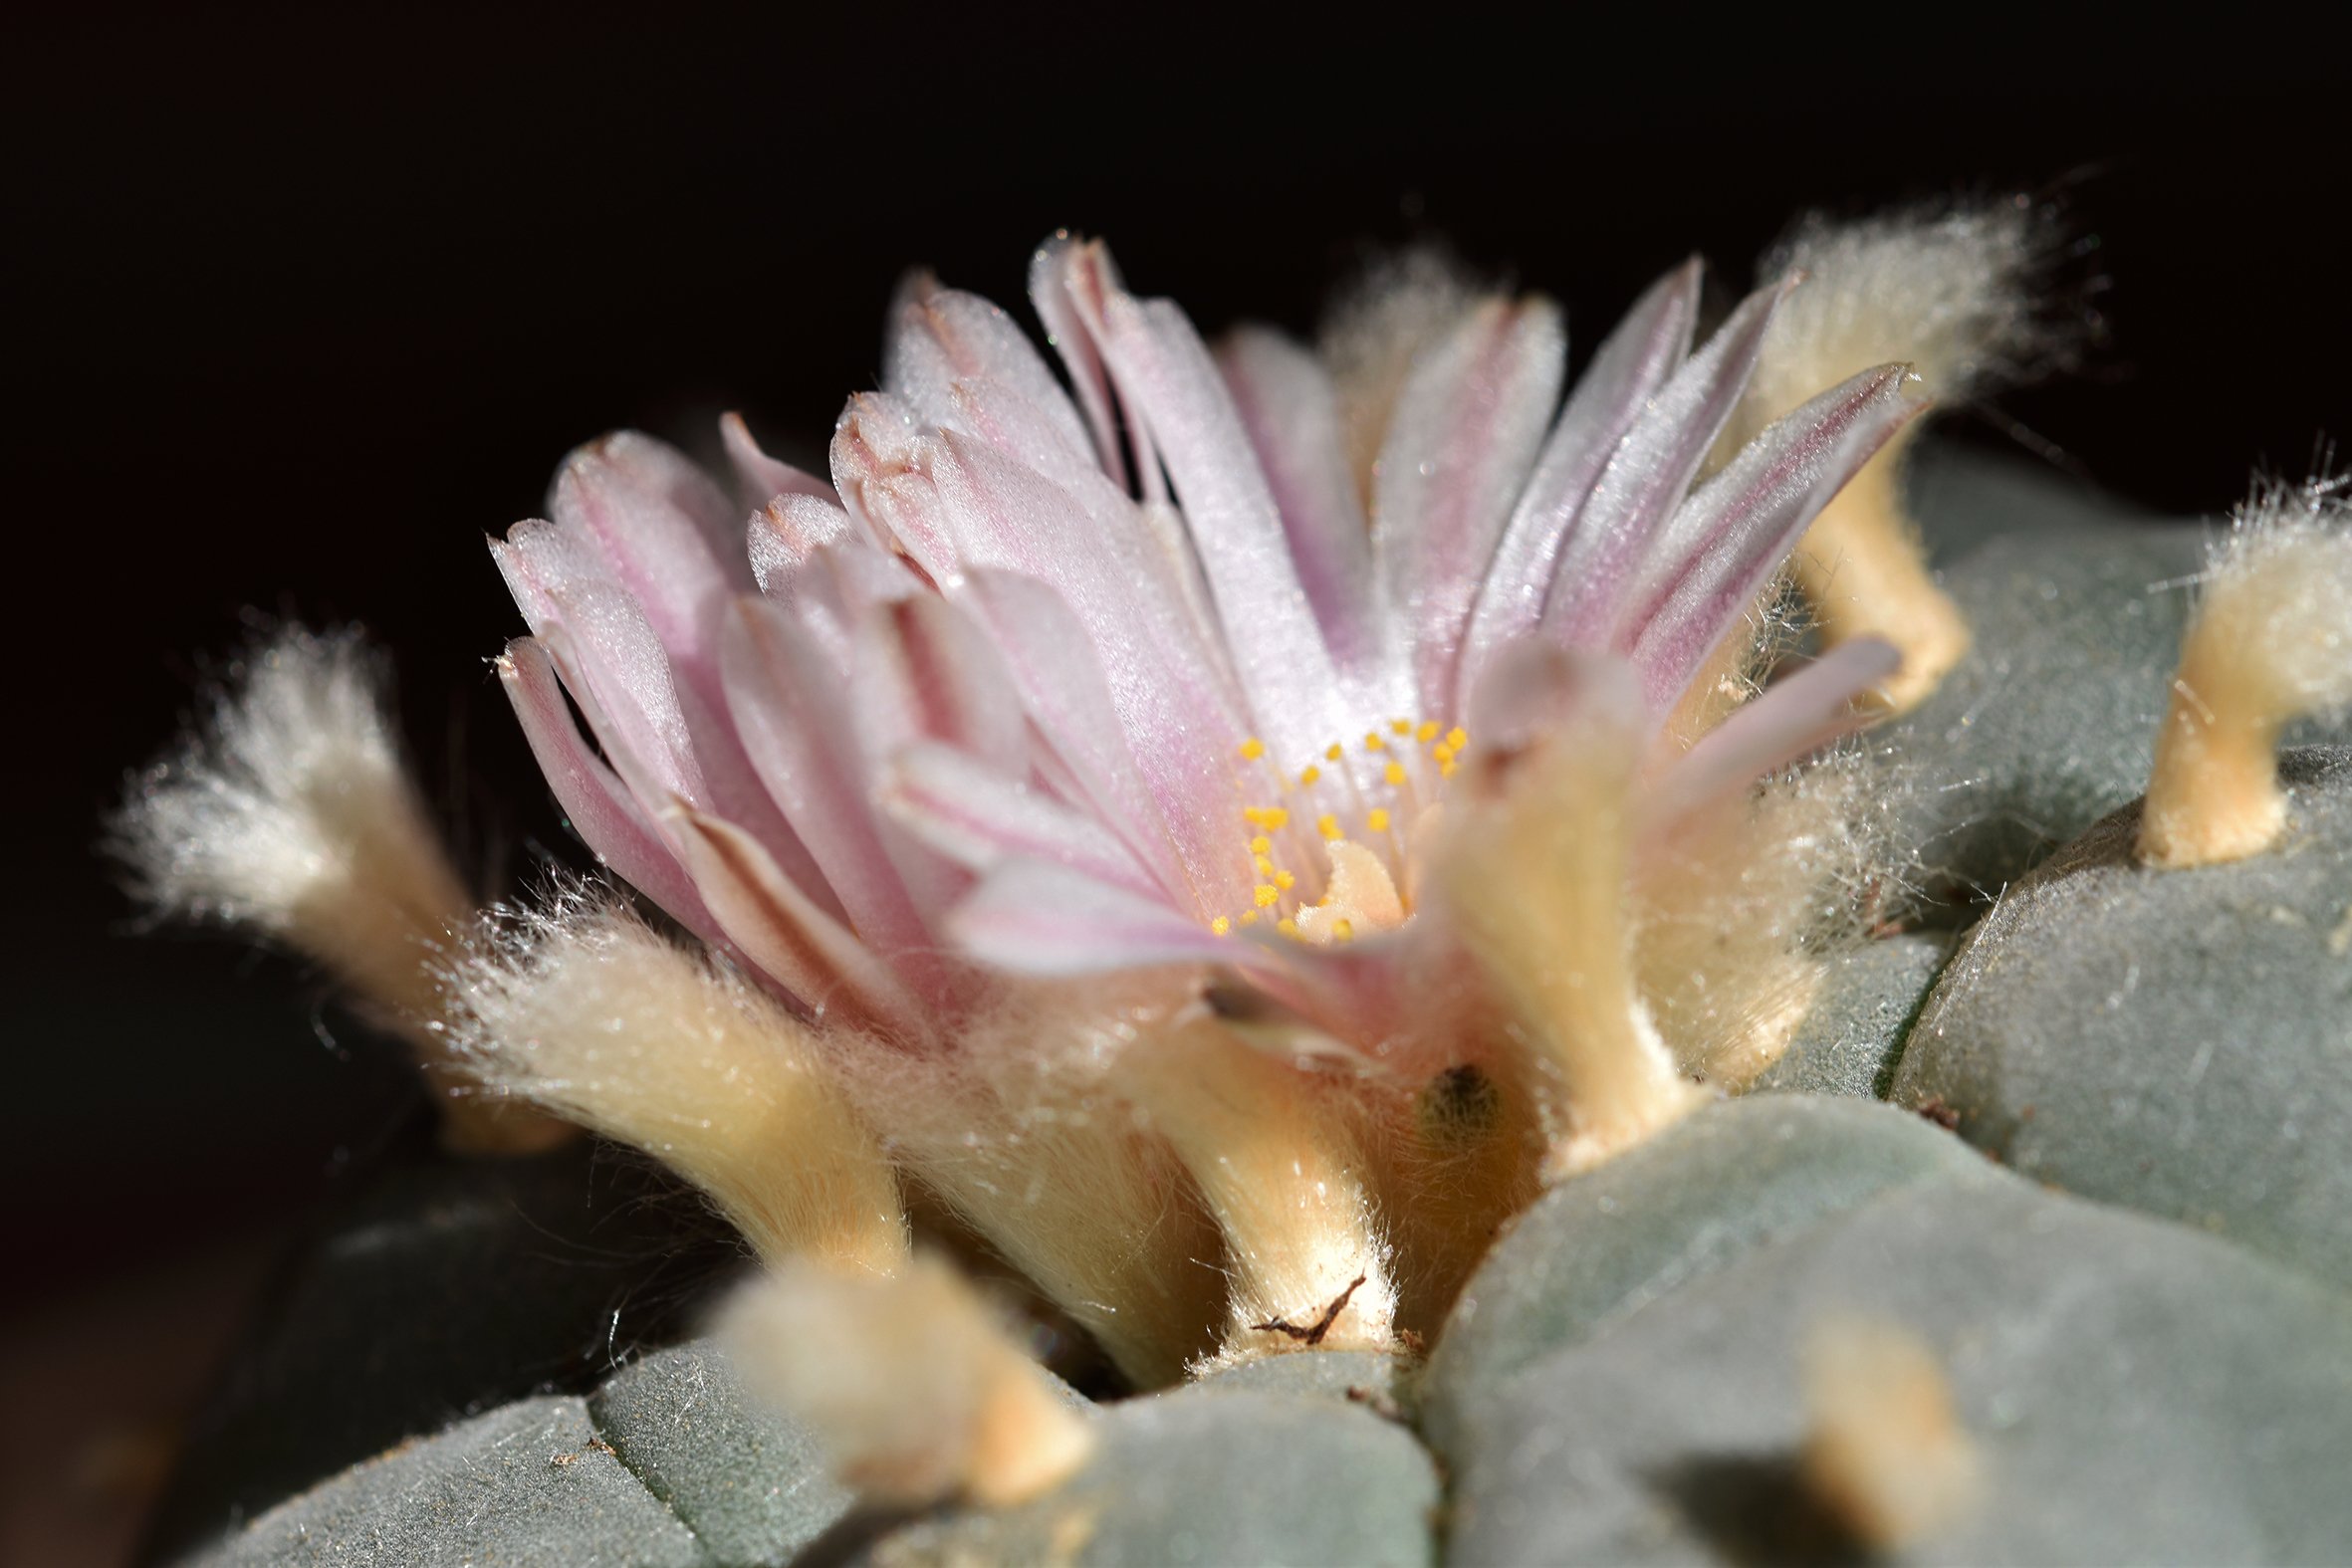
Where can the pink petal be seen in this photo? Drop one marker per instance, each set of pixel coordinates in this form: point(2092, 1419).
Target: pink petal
point(787, 701)
point(1734, 531)
point(664, 531)
point(759, 477)
point(923, 670)
point(1649, 473)
point(787, 532)
point(1041, 919)
point(940, 336)
point(808, 954)
point(1457, 453)
point(1168, 384)
point(1624, 376)
point(599, 807)
point(881, 459)
point(1291, 409)
point(1534, 689)
point(1055, 663)
point(1060, 266)
point(1793, 718)
point(981, 818)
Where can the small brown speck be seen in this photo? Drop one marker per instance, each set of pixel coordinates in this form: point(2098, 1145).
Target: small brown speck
point(1935, 1110)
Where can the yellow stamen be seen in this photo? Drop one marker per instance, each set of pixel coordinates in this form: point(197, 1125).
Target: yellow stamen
point(1253, 749)
point(1394, 773)
point(1221, 925)
point(1264, 866)
point(1309, 774)
point(1260, 845)
point(1373, 743)
point(1275, 818)
point(1457, 737)
point(1401, 725)
point(1377, 820)
point(1332, 753)
point(1328, 825)
point(1284, 881)
point(1287, 927)
point(1266, 893)
point(1426, 733)
point(1249, 917)
point(1342, 930)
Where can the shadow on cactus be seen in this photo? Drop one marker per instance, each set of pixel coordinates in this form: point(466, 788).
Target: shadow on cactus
point(1222, 830)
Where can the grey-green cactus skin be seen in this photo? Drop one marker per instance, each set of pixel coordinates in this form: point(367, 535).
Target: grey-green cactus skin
point(2134, 1393)
point(2178, 1041)
point(1851, 1038)
point(1620, 1380)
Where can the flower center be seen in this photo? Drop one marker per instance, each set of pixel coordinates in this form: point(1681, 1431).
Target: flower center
point(1331, 847)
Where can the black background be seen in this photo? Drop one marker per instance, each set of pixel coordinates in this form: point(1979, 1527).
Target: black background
point(308, 301)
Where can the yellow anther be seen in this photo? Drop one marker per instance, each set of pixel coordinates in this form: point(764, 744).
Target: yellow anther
point(1266, 893)
point(1264, 865)
point(1446, 770)
point(1274, 817)
point(1426, 733)
point(1262, 816)
point(1284, 881)
point(1287, 927)
point(1401, 725)
point(1394, 773)
point(1376, 819)
point(1221, 925)
point(1249, 917)
point(1457, 737)
point(1373, 743)
point(1309, 774)
point(1260, 845)
point(1342, 930)
point(1328, 825)
point(1441, 752)
point(1253, 749)
point(1332, 753)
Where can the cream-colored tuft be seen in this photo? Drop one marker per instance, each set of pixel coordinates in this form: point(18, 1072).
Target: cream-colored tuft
point(1374, 332)
point(1534, 878)
point(1885, 1453)
point(910, 1381)
point(1021, 1132)
point(289, 812)
point(1738, 910)
point(1270, 1145)
point(2271, 641)
point(1956, 291)
point(587, 1012)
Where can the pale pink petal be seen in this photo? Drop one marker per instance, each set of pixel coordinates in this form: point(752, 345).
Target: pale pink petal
point(664, 532)
point(1050, 279)
point(1648, 475)
point(1634, 362)
point(787, 532)
point(759, 477)
point(1457, 453)
point(808, 954)
point(1793, 718)
point(787, 704)
point(923, 670)
point(1168, 384)
point(1055, 663)
point(611, 656)
point(980, 818)
point(1036, 918)
point(599, 807)
point(881, 460)
point(940, 336)
point(1291, 409)
point(1739, 526)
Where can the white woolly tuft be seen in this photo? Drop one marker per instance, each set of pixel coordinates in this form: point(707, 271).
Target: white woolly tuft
point(586, 1010)
point(2278, 595)
point(911, 1383)
point(1954, 289)
point(288, 812)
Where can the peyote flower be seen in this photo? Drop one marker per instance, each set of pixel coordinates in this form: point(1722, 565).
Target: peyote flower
point(1217, 790)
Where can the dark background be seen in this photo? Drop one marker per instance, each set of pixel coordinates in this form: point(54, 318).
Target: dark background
point(305, 304)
